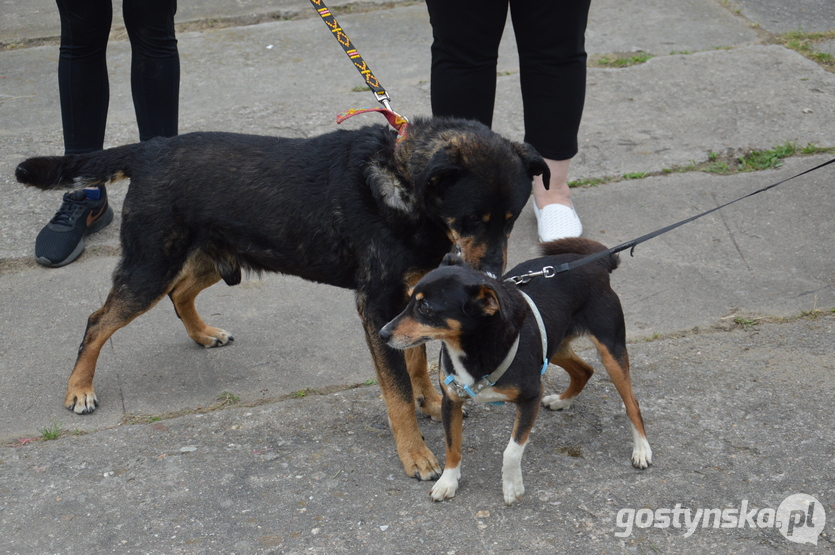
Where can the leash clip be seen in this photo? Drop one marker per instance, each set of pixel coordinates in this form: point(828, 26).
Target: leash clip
point(383, 98)
point(546, 272)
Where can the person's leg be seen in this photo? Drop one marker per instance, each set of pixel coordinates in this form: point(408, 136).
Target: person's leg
point(82, 73)
point(465, 47)
point(558, 191)
point(84, 96)
point(551, 39)
point(155, 66)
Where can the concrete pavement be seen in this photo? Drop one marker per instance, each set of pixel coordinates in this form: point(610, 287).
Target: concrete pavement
point(735, 382)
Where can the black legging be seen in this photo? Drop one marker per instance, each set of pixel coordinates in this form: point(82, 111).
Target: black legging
point(550, 35)
point(82, 69)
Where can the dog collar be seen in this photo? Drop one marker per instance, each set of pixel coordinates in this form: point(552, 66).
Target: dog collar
point(400, 123)
point(489, 380)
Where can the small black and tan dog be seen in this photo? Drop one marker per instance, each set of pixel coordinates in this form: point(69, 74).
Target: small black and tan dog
point(351, 208)
point(492, 347)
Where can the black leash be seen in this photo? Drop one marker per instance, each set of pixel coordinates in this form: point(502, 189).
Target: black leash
point(551, 271)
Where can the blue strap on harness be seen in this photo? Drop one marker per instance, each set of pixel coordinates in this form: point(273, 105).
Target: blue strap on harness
point(450, 379)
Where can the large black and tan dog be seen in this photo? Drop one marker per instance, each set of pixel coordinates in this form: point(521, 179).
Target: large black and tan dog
point(350, 208)
point(490, 330)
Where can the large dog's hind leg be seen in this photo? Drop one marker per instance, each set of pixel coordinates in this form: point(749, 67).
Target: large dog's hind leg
point(118, 310)
point(198, 273)
point(579, 372)
point(427, 398)
point(617, 365)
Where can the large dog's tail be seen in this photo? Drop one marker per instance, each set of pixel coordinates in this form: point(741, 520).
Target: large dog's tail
point(581, 246)
point(73, 170)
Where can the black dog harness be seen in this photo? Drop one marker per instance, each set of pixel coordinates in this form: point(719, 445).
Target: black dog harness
point(472, 391)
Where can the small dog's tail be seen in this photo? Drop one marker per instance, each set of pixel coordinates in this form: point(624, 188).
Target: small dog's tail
point(73, 170)
point(581, 246)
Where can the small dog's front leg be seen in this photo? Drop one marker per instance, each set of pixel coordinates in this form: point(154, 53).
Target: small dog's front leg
point(452, 414)
point(512, 485)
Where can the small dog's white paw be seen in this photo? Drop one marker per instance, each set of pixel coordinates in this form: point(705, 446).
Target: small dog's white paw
point(641, 453)
point(512, 487)
point(447, 484)
point(554, 402)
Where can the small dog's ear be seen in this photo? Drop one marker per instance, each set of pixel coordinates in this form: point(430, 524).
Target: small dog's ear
point(452, 259)
point(534, 162)
point(484, 301)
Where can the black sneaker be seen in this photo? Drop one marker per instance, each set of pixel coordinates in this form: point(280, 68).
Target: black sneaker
point(62, 240)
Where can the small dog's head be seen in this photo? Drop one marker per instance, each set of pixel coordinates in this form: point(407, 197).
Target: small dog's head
point(470, 180)
point(447, 303)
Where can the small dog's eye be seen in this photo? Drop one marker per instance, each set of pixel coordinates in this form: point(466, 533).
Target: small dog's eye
point(423, 307)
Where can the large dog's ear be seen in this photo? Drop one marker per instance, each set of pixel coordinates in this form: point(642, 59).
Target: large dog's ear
point(390, 188)
point(441, 166)
point(534, 162)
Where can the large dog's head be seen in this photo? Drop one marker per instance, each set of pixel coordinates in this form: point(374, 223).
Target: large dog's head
point(467, 179)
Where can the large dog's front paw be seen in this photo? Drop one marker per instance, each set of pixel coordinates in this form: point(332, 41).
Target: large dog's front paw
point(641, 453)
point(214, 337)
point(556, 402)
point(81, 401)
point(420, 463)
point(447, 484)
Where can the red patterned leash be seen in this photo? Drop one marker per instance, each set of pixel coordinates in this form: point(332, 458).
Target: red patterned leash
point(397, 121)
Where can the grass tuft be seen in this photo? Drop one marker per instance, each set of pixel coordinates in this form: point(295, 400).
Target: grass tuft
point(804, 44)
point(226, 398)
point(53, 431)
point(754, 160)
point(619, 61)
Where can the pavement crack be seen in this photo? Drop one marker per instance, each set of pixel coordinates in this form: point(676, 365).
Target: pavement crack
point(731, 234)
